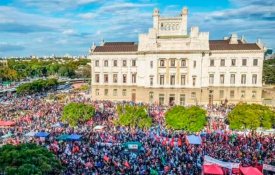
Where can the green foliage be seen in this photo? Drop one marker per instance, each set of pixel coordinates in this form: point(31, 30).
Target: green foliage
point(251, 116)
point(36, 86)
point(27, 159)
point(20, 69)
point(133, 116)
point(74, 113)
point(191, 119)
point(269, 71)
point(8, 74)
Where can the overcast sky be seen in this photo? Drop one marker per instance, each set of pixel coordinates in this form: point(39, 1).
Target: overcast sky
point(46, 27)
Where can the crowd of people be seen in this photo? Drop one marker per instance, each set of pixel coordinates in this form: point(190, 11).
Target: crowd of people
point(162, 151)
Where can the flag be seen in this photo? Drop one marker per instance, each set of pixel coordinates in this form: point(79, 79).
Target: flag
point(153, 172)
point(106, 158)
point(127, 164)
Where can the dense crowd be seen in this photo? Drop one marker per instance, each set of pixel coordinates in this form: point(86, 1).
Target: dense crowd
point(162, 151)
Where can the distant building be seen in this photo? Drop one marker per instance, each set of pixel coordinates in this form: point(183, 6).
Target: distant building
point(169, 65)
point(3, 63)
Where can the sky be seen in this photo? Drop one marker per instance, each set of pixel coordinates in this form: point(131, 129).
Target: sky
point(47, 27)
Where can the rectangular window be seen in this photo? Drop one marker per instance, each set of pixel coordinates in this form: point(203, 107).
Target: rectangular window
point(182, 79)
point(114, 78)
point(124, 92)
point(162, 63)
point(151, 81)
point(161, 99)
point(233, 62)
point(134, 78)
point(212, 62)
point(183, 63)
point(97, 78)
point(182, 99)
point(255, 62)
point(194, 81)
point(221, 93)
point(96, 63)
point(115, 63)
point(193, 95)
point(161, 79)
point(232, 79)
point(222, 79)
point(134, 63)
point(194, 64)
point(254, 79)
point(124, 63)
point(106, 92)
point(115, 92)
point(124, 78)
point(244, 62)
point(151, 64)
point(105, 63)
point(106, 78)
point(243, 79)
point(232, 94)
point(211, 79)
point(222, 62)
point(97, 92)
point(172, 80)
point(172, 62)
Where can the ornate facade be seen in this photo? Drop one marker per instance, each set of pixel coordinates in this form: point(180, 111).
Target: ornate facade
point(170, 65)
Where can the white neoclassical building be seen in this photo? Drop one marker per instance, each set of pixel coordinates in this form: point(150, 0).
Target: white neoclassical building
point(171, 65)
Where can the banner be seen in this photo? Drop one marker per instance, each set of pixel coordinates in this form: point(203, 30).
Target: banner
point(106, 144)
point(209, 160)
point(268, 167)
point(133, 146)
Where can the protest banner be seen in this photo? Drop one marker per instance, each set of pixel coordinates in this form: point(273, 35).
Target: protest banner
point(209, 160)
point(268, 167)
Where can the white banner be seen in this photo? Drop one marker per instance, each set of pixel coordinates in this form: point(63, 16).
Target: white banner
point(269, 167)
point(209, 160)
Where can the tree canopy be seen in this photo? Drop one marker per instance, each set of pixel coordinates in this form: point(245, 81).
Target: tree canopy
point(18, 69)
point(75, 113)
point(269, 71)
point(27, 159)
point(192, 119)
point(133, 116)
point(36, 86)
point(251, 116)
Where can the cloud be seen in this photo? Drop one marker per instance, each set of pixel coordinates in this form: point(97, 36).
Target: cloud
point(5, 47)
point(252, 12)
point(23, 28)
point(253, 2)
point(71, 26)
point(56, 5)
point(123, 8)
point(247, 17)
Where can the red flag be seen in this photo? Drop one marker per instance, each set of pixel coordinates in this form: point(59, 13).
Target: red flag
point(179, 142)
point(106, 158)
point(127, 164)
point(172, 142)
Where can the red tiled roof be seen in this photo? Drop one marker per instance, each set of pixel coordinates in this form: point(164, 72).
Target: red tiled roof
point(119, 43)
point(117, 47)
point(224, 45)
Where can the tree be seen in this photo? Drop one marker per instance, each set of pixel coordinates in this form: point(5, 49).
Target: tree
point(26, 159)
point(36, 86)
point(191, 119)
point(251, 116)
point(133, 116)
point(269, 71)
point(75, 113)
